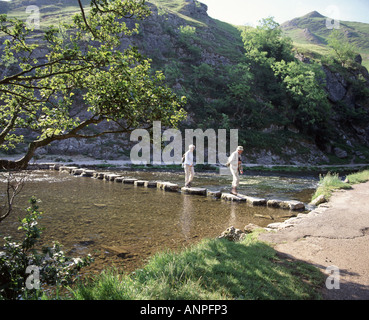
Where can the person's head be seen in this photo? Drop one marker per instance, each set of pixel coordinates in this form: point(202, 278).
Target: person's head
point(191, 148)
point(240, 149)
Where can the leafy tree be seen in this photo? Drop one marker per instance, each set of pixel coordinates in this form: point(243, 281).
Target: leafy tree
point(267, 42)
point(306, 96)
point(342, 49)
point(85, 67)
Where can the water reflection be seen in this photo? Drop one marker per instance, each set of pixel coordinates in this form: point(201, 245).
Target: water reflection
point(99, 217)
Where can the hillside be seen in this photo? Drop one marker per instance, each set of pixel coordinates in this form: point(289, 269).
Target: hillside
point(201, 57)
point(310, 34)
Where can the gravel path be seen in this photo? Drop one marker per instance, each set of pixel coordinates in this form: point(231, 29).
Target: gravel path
point(336, 234)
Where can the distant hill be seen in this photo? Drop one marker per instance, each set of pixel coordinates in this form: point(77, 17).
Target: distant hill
point(310, 34)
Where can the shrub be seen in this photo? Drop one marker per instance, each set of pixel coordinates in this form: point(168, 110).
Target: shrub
point(23, 268)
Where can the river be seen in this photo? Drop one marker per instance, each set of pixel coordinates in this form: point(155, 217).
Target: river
point(123, 225)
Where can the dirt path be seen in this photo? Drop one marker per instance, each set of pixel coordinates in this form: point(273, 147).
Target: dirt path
point(337, 235)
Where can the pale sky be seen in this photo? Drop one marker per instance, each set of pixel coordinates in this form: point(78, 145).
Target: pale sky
point(249, 12)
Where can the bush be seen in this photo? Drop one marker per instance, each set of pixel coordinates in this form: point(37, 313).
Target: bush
point(23, 268)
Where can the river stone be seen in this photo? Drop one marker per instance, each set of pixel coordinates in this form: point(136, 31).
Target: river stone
point(140, 183)
point(232, 197)
point(295, 205)
point(232, 234)
point(254, 201)
point(88, 173)
point(111, 176)
point(99, 175)
point(195, 191)
point(274, 203)
point(215, 194)
point(321, 199)
point(77, 172)
point(67, 169)
point(167, 186)
point(129, 181)
point(55, 166)
point(151, 184)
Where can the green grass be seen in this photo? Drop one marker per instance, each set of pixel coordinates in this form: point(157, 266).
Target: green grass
point(332, 182)
point(359, 177)
point(211, 270)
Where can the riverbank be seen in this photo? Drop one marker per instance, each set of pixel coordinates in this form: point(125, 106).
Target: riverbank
point(335, 234)
point(214, 269)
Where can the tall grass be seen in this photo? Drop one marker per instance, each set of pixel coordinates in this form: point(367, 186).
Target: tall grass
point(332, 182)
point(211, 270)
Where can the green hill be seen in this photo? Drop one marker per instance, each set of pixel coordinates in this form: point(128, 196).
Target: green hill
point(202, 57)
point(310, 34)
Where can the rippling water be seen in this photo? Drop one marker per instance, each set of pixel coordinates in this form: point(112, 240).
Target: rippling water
point(123, 225)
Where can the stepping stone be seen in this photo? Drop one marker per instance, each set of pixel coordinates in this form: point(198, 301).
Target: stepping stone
point(215, 194)
point(289, 205)
point(232, 197)
point(119, 179)
point(275, 203)
point(99, 175)
point(254, 201)
point(151, 184)
point(67, 169)
point(77, 172)
point(167, 186)
point(111, 176)
point(55, 166)
point(195, 191)
point(129, 181)
point(140, 183)
point(295, 205)
point(88, 173)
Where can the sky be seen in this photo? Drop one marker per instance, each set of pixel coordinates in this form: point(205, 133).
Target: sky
point(249, 12)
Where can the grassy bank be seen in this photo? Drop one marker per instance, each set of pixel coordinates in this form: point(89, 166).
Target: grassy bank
point(211, 270)
point(331, 182)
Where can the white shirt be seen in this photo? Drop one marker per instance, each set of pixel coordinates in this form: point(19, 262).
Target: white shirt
point(233, 160)
point(188, 158)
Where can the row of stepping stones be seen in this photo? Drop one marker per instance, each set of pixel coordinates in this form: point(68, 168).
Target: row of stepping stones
point(172, 187)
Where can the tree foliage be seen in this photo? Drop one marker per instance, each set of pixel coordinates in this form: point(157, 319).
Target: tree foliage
point(272, 85)
point(84, 65)
point(341, 48)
